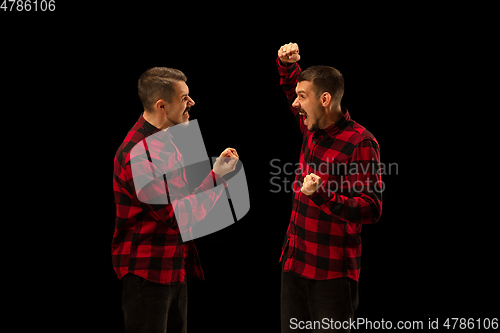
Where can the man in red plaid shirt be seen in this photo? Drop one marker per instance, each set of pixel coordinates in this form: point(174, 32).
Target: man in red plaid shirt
point(148, 252)
point(337, 190)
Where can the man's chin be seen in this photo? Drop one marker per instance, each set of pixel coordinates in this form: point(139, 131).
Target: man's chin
point(312, 128)
point(184, 121)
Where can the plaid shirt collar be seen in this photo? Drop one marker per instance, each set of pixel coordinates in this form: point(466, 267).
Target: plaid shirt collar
point(333, 129)
point(148, 127)
point(151, 129)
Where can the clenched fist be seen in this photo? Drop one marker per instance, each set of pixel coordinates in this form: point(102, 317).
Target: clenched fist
point(226, 162)
point(311, 184)
point(289, 53)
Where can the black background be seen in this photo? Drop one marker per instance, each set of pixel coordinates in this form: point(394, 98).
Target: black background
point(74, 74)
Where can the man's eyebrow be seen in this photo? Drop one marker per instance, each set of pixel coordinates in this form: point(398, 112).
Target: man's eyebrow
point(184, 95)
point(301, 91)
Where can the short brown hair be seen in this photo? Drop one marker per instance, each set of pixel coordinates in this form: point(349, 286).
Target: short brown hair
point(324, 79)
point(158, 83)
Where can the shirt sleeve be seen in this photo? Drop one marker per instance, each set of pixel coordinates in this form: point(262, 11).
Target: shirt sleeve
point(289, 74)
point(363, 203)
point(163, 205)
point(194, 207)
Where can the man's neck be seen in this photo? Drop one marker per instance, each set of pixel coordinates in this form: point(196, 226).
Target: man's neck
point(333, 116)
point(156, 119)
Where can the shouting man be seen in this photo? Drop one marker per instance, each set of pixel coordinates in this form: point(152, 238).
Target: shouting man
point(337, 190)
point(148, 253)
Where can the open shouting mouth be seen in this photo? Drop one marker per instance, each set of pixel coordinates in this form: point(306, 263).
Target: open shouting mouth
point(303, 113)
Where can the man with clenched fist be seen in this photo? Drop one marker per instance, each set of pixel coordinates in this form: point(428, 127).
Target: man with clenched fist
point(148, 252)
point(337, 190)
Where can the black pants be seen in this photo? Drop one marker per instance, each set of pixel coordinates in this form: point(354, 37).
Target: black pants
point(315, 306)
point(152, 307)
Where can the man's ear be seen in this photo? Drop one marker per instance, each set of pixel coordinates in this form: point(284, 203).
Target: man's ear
point(161, 105)
point(325, 99)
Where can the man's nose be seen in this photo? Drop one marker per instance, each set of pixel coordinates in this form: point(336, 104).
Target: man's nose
point(191, 101)
point(296, 103)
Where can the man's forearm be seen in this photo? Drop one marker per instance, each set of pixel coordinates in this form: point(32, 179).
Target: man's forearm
point(289, 75)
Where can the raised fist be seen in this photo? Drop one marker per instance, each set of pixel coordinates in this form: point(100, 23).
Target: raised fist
point(289, 53)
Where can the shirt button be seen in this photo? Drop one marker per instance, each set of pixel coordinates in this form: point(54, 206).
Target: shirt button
point(314, 142)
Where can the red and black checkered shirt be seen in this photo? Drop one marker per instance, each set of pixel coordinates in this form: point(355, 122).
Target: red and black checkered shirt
point(147, 240)
point(323, 239)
